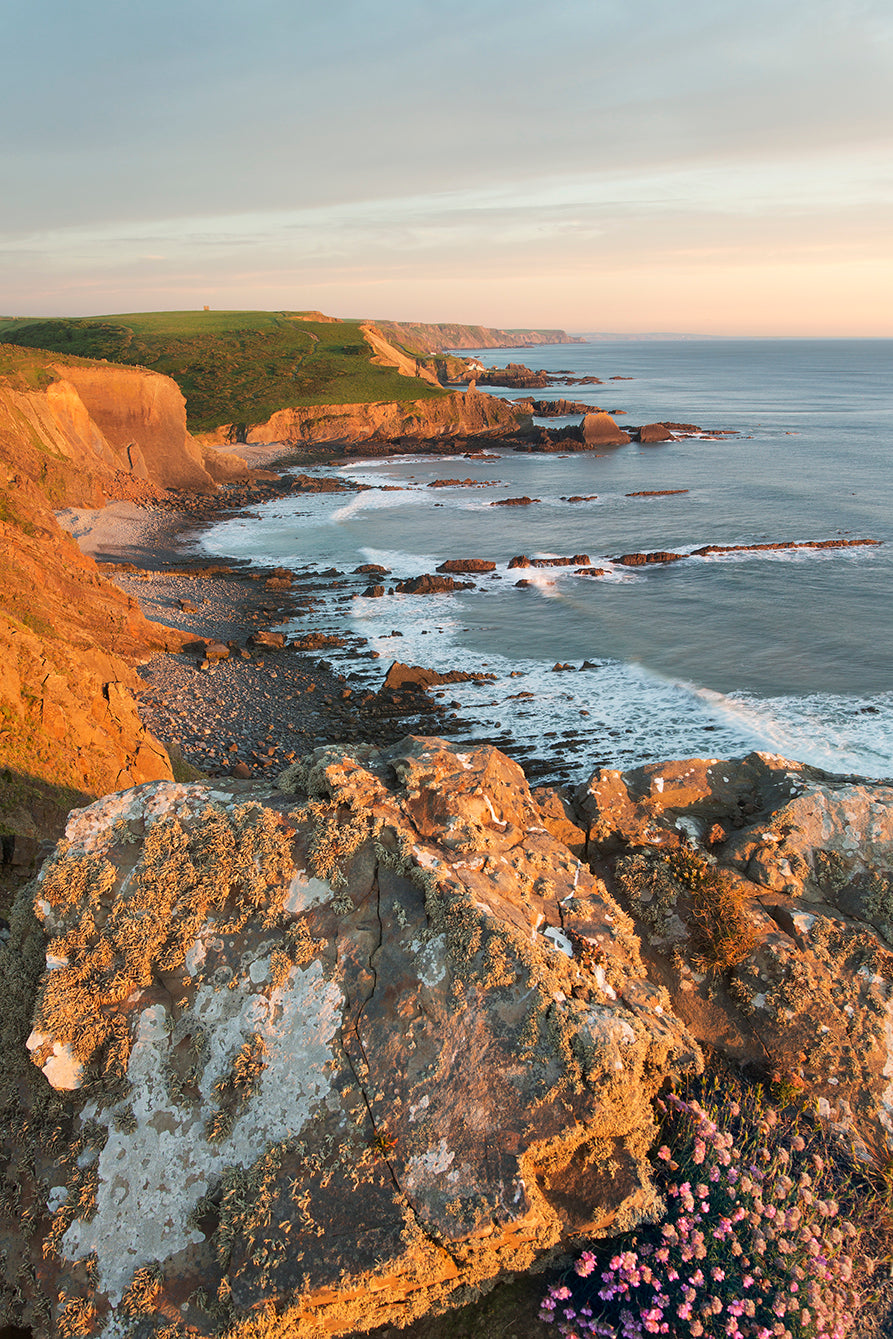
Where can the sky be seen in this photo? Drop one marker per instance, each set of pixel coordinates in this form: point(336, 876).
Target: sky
point(714, 167)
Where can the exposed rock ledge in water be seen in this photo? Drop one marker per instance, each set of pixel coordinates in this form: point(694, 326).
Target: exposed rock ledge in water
point(329, 1060)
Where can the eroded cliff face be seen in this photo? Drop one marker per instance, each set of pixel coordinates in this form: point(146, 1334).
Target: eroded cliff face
point(68, 722)
point(142, 416)
point(456, 415)
point(429, 338)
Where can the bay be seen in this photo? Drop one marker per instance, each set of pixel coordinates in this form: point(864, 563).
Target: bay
point(787, 651)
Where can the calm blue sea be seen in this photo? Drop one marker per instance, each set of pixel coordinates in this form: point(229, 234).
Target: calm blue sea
point(786, 652)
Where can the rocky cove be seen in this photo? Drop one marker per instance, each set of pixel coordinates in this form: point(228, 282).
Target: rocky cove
point(361, 1022)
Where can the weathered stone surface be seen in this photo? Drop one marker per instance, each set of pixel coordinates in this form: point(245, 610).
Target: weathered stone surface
point(416, 676)
point(341, 1056)
point(429, 584)
point(559, 818)
point(601, 430)
point(802, 865)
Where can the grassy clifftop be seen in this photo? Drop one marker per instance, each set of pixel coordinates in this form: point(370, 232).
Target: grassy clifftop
point(232, 367)
point(421, 338)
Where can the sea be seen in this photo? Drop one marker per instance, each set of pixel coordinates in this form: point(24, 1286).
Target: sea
point(788, 652)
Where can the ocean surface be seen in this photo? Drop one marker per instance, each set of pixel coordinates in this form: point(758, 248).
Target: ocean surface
point(786, 652)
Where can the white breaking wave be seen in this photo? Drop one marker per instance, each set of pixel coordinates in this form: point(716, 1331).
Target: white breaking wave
point(838, 734)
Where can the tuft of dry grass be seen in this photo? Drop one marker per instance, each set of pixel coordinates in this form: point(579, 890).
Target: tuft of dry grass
point(722, 933)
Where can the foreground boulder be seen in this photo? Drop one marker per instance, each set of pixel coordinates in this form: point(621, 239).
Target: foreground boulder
point(312, 1059)
point(763, 890)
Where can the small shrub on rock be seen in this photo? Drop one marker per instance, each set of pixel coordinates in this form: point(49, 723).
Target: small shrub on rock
point(754, 1245)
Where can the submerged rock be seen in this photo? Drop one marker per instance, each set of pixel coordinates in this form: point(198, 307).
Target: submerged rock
point(324, 1056)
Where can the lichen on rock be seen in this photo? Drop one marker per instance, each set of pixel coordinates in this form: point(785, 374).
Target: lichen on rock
point(335, 1071)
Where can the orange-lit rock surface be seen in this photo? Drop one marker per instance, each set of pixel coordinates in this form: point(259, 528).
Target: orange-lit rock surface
point(331, 1054)
point(460, 414)
point(68, 638)
point(795, 974)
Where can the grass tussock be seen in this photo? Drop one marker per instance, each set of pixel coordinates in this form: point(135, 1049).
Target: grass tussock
point(722, 933)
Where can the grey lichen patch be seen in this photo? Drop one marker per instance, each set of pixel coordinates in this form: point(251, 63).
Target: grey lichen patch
point(651, 890)
point(162, 1170)
point(832, 872)
point(875, 893)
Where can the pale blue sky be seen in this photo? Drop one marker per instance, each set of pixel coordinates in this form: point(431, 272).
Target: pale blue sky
point(719, 167)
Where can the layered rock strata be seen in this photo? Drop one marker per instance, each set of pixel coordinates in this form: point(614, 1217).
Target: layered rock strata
point(460, 414)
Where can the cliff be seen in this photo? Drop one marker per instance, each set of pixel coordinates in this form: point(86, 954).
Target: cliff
point(424, 338)
point(456, 415)
point(72, 434)
point(239, 367)
point(141, 416)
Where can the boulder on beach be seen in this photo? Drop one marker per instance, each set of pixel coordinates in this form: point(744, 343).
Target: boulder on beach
point(325, 1053)
point(270, 641)
point(401, 676)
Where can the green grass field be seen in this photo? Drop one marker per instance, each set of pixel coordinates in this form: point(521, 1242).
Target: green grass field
point(232, 367)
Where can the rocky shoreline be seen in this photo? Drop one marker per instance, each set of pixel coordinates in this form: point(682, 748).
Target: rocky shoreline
point(240, 699)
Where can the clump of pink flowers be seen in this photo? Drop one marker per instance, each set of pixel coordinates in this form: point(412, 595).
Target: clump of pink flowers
point(753, 1245)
